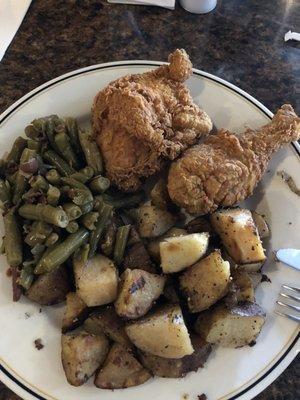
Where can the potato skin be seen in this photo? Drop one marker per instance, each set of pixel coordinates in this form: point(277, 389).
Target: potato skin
point(138, 290)
point(239, 235)
point(109, 323)
point(137, 257)
point(206, 282)
point(81, 355)
point(75, 312)
point(234, 326)
point(50, 288)
point(121, 370)
point(162, 333)
point(177, 368)
point(96, 280)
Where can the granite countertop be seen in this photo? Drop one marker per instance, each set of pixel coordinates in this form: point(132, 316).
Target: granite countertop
point(240, 41)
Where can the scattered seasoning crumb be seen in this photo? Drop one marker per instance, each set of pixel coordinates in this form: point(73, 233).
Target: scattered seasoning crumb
point(265, 278)
point(38, 344)
point(185, 396)
point(290, 223)
point(253, 343)
point(27, 315)
point(40, 310)
point(202, 396)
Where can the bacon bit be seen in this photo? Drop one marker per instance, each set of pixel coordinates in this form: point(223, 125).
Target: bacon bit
point(9, 272)
point(38, 344)
point(202, 396)
point(30, 167)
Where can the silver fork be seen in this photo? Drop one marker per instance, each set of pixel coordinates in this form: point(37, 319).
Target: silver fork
point(288, 306)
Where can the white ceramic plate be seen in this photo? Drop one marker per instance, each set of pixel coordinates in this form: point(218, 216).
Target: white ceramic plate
point(229, 374)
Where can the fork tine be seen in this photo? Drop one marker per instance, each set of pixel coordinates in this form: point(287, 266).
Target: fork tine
point(292, 317)
point(294, 289)
point(288, 296)
point(288, 305)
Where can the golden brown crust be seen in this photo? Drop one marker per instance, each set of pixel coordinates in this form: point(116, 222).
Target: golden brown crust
point(226, 168)
point(142, 119)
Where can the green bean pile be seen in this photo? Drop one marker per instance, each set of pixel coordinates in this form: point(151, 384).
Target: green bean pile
point(56, 200)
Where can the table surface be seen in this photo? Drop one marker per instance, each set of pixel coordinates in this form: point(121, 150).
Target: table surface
point(240, 41)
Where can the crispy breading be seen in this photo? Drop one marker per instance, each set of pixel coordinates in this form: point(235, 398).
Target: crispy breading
point(226, 168)
point(141, 120)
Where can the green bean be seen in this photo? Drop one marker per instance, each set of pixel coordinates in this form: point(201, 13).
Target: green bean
point(86, 208)
point(38, 233)
point(108, 243)
point(12, 178)
point(62, 141)
point(59, 163)
point(5, 196)
point(84, 254)
point(91, 151)
point(73, 212)
point(53, 177)
point(59, 253)
point(53, 195)
point(13, 240)
point(89, 220)
point(97, 233)
point(16, 151)
point(72, 227)
point(83, 175)
point(128, 201)
point(34, 145)
point(38, 249)
point(21, 180)
point(51, 239)
point(121, 240)
point(35, 129)
point(26, 277)
point(49, 129)
point(98, 202)
point(99, 184)
point(41, 212)
point(80, 194)
point(72, 130)
point(38, 182)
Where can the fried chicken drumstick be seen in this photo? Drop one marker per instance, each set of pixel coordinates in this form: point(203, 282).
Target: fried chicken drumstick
point(141, 120)
point(225, 168)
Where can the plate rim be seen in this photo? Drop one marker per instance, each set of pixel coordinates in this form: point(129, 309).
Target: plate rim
point(287, 357)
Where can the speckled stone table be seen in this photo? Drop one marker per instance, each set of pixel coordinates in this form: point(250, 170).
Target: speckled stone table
point(240, 41)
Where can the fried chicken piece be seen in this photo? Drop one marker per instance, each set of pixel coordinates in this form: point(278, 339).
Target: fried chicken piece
point(141, 120)
point(225, 168)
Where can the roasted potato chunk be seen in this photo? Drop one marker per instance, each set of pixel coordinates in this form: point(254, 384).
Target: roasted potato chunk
point(138, 257)
point(138, 290)
point(231, 326)
point(75, 312)
point(206, 282)
point(178, 253)
point(153, 245)
point(159, 194)
point(96, 280)
point(121, 370)
point(109, 323)
point(163, 333)
point(244, 286)
point(239, 235)
point(81, 355)
point(50, 288)
point(153, 222)
point(177, 368)
point(170, 290)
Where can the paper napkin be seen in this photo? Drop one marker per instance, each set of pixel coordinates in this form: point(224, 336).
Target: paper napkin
point(12, 13)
